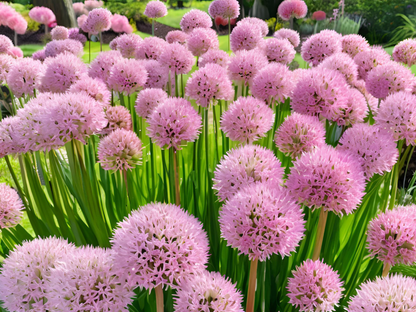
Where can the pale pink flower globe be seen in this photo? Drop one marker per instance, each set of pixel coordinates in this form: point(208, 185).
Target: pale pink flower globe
point(148, 99)
point(329, 179)
point(11, 207)
point(95, 88)
point(127, 76)
point(81, 21)
point(93, 4)
point(158, 74)
point(118, 117)
point(120, 24)
point(289, 34)
point(16, 52)
point(150, 48)
point(315, 286)
point(121, 150)
point(98, 20)
point(17, 23)
point(299, 134)
point(177, 58)
point(173, 123)
point(5, 44)
point(245, 37)
point(27, 270)
point(405, 52)
point(227, 9)
point(292, 8)
point(390, 293)
point(73, 33)
point(38, 55)
point(278, 227)
point(127, 44)
point(200, 40)
point(245, 65)
point(209, 84)
point(42, 15)
point(214, 56)
point(6, 62)
point(159, 244)
point(59, 33)
point(79, 8)
point(208, 291)
point(343, 63)
point(355, 110)
point(195, 19)
point(320, 46)
point(56, 47)
point(256, 22)
point(354, 44)
point(155, 9)
point(101, 66)
point(370, 59)
point(24, 77)
point(9, 145)
point(176, 36)
point(278, 50)
point(246, 165)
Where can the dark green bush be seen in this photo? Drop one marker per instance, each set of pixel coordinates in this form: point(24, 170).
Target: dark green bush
point(131, 9)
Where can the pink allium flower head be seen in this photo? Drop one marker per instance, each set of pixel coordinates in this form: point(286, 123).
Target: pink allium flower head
point(59, 33)
point(254, 21)
point(227, 9)
point(155, 9)
point(300, 134)
point(93, 4)
point(118, 117)
point(73, 33)
point(17, 23)
point(120, 24)
point(8, 144)
point(315, 286)
point(354, 44)
point(173, 122)
point(200, 40)
point(246, 64)
point(245, 37)
point(127, 76)
point(221, 21)
point(95, 88)
point(86, 281)
point(16, 52)
point(278, 50)
point(148, 99)
point(353, 112)
point(194, 19)
point(120, 150)
point(344, 64)
point(24, 77)
point(218, 57)
point(209, 84)
point(151, 48)
point(98, 20)
point(319, 15)
point(127, 44)
point(177, 58)
point(176, 36)
point(5, 44)
point(56, 47)
point(6, 62)
point(246, 165)
point(10, 207)
point(208, 291)
point(61, 72)
point(405, 52)
point(320, 46)
point(289, 34)
point(158, 74)
point(101, 66)
point(261, 221)
point(388, 79)
point(42, 15)
point(247, 120)
point(292, 8)
point(27, 270)
point(159, 244)
point(39, 55)
point(79, 8)
point(81, 21)
point(329, 179)
point(369, 59)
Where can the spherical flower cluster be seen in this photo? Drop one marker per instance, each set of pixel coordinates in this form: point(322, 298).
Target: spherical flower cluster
point(209, 84)
point(14, 21)
point(176, 36)
point(56, 47)
point(98, 20)
point(245, 65)
point(9, 145)
point(200, 40)
point(158, 75)
point(245, 37)
point(289, 34)
point(5, 44)
point(24, 77)
point(120, 24)
point(127, 76)
point(42, 15)
point(81, 21)
point(6, 62)
point(26, 271)
point(159, 244)
point(118, 117)
point(148, 99)
point(79, 8)
point(59, 33)
point(247, 120)
point(10, 207)
point(127, 44)
point(172, 122)
point(194, 19)
point(218, 57)
point(93, 4)
point(319, 15)
point(278, 50)
point(95, 88)
point(151, 48)
point(405, 52)
point(177, 58)
point(73, 33)
point(246, 165)
point(299, 134)
point(320, 46)
point(15, 52)
point(260, 221)
point(155, 9)
point(353, 112)
point(256, 22)
point(390, 293)
point(292, 8)
point(227, 9)
point(369, 59)
point(344, 64)
point(101, 66)
point(354, 44)
point(315, 286)
point(208, 291)
point(39, 55)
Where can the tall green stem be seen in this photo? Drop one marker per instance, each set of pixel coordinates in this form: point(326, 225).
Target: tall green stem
point(320, 234)
point(153, 27)
point(229, 33)
point(177, 183)
point(251, 295)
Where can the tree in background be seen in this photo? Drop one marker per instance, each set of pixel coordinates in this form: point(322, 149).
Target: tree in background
point(63, 10)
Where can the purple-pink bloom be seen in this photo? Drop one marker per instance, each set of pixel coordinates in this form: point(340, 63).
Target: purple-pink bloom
point(200, 40)
point(278, 50)
point(245, 65)
point(354, 44)
point(195, 19)
point(155, 9)
point(127, 76)
point(158, 74)
point(93, 4)
point(24, 77)
point(120, 24)
point(98, 20)
point(405, 52)
point(227, 9)
point(320, 46)
point(95, 88)
point(150, 48)
point(355, 110)
point(79, 8)
point(245, 37)
point(56, 47)
point(256, 22)
point(177, 58)
point(17, 23)
point(81, 21)
point(42, 15)
point(370, 59)
point(127, 44)
point(39, 55)
point(292, 8)
point(176, 36)
point(101, 66)
point(343, 63)
point(5, 44)
point(289, 34)
point(8, 144)
point(15, 52)
point(59, 33)
point(148, 99)
point(6, 62)
point(11, 207)
point(214, 56)
point(73, 33)
point(118, 117)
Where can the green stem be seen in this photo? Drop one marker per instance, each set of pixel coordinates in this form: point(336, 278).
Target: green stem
point(216, 132)
point(182, 86)
point(164, 176)
point(16, 181)
point(101, 41)
point(153, 27)
point(176, 85)
point(320, 234)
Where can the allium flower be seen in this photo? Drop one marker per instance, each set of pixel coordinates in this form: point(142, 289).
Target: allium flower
point(118, 117)
point(227, 9)
point(5, 44)
point(299, 134)
point(256, 22)
point(120, 24)
point(354, 44)
point(172, 122)
point(26, 271)
point(127, 76)
point(17, 23)
point(245, 37)
point(289, 34)
point(98, 20)
point(208, 291)
point(95, 88)
point(93, 4)
point(155, 9)
point(24, 77)
point(372, 102)
point(81, 21)
point(159, 244)
point(56, 47)
point(6, 62)
point(209, 84)
point(8, 145)
point(176, 36)
point(390, 293)
point(15, 52)
point(344, 64)
point(213, 56)
point(245, 65)
point(10, 207)
point(353, 112)
point(38, 55)
point(158, 74)
point(244, 166)
point(151, 48)
point(177, 58)
point(73, 33)
point(79, 8)
point(278, 50)
point(319, 15)
point(61, 72)
point(320, 46)
point(329, 179)
point(101, 66)
point(369, 59)
point(315, 286)
point(194, 19)
point(42, 15)
point(127, 44)
point(200, 40)
point(148, 99)
point(86, 281)
point(405, 52)
point(292, 8)
point(59, 33)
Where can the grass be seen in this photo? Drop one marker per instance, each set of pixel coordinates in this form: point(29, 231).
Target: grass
point(175, 15)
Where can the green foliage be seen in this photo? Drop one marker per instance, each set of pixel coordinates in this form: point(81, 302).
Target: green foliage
point(132, 10)
point(321, 5)
point(407, 30)
point(343, 25)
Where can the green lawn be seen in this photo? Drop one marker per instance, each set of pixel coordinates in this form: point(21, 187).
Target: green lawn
point(175, 15)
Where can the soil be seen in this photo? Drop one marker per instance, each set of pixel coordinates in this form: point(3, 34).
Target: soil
point(161, 30)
